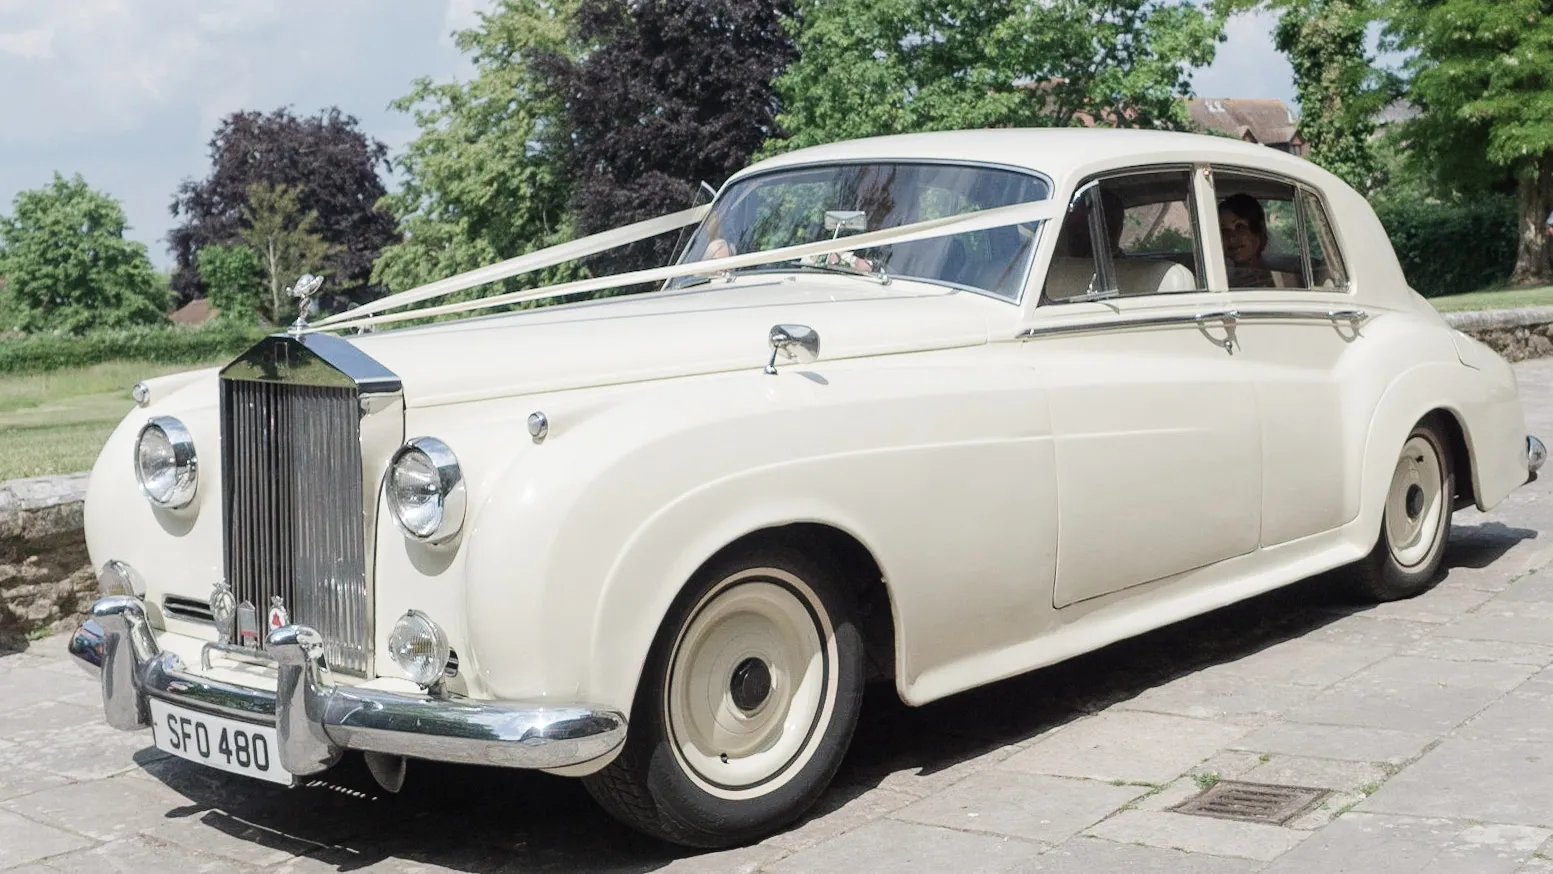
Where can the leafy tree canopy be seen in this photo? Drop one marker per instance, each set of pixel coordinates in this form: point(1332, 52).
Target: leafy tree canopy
point(67, 265)
point(333, 167)
point(869, 67)
point(483, 181)
point(233, 281)
point(1340, 88)
point(664, 95)
point(1481, 72)
point(287, 244)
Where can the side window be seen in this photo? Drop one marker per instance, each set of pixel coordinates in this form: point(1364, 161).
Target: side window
point(1326, 262)
point(1275, 235)
point(1150, 234)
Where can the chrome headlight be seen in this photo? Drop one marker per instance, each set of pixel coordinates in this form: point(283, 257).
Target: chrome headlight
point(165, 464)
point(426, 490)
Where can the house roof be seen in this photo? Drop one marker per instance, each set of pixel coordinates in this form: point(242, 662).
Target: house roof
point(194, 312)
point(1265, 121)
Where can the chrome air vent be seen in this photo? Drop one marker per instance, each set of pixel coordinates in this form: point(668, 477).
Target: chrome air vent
point(300, 460)
point(187, 609)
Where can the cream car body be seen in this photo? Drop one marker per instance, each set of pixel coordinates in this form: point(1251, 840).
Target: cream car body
point(1032, 479)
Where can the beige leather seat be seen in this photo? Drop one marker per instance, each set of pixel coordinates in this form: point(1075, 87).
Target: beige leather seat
point(1070, 277)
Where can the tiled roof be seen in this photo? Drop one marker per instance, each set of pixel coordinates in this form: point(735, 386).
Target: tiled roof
point(1267, 121)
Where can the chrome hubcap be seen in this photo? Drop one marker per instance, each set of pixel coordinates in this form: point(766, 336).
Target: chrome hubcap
point(750, 685)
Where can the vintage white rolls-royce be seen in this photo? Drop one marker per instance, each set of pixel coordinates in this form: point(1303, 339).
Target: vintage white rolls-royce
point(932, 409)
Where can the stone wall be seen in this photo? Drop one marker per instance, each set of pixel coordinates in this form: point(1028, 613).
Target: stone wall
point(46, 579)
point(1516, 334)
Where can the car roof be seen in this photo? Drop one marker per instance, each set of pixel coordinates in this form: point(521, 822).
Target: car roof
point(1057, 153)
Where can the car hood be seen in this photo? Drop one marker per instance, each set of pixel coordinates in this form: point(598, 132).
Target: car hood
point(708, 329)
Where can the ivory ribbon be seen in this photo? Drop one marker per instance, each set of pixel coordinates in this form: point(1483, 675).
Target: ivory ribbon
point(1002, 216)
point(547, 257)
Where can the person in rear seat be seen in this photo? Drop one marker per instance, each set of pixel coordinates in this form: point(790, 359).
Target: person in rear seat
point(1243, 228)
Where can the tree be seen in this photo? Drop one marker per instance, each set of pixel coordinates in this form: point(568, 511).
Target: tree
point(334, 169)
point(233, 279)
point(1481, 73)
point(483, 181)
point(665, 94)
point(870, 67)
point(67, 265)
point(286, 242)
point(1339, 87)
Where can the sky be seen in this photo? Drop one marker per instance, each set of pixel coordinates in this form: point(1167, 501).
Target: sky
point(128, 92)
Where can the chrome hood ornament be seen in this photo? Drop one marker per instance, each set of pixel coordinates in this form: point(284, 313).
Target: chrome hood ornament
point(305, 290)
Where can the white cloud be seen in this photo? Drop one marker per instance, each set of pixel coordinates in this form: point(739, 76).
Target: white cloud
point(1247, 64)
point(37, 42)
point(462, 15)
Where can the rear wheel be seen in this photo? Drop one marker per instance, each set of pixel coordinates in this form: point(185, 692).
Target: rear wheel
point(746, 707)
point(1416, 522)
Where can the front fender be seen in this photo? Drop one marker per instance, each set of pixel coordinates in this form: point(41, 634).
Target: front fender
point(584, 543)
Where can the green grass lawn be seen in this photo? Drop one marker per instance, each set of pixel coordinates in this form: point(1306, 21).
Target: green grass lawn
point(1500, 299)
point(56, 422)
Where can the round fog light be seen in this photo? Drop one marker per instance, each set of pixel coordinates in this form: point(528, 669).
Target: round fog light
point(419, 647)
point(118, 578)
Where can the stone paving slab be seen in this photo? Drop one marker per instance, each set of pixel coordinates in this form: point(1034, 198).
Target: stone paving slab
point(1429, 721)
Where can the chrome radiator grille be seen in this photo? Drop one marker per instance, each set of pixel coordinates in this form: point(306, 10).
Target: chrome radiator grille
point(294, 526)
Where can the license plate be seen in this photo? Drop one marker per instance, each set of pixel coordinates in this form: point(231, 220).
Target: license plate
point(238, 747)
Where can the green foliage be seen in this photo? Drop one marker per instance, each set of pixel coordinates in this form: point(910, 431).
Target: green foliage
point(869, 67)
point(68, 266)
point(233, 281)
point(286, 244)
point(1340, 89)
point(1480, 70)
point(1449, 248)
point(161, 344)
point(484, 181)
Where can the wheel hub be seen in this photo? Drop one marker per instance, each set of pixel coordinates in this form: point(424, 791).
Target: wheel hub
point(1415, 501)
point(750, 685)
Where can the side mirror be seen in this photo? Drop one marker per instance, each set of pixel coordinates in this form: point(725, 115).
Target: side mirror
point(797, 343)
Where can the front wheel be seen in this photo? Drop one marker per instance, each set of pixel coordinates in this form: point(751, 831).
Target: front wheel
point(1416, 522)
point(746, 706)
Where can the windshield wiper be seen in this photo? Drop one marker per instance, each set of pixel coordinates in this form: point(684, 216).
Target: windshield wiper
point(880, 275)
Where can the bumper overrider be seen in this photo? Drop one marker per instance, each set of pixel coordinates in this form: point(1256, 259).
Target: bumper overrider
point(316, 720)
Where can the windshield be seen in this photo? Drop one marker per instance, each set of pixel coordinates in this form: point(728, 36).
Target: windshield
point(808, 204)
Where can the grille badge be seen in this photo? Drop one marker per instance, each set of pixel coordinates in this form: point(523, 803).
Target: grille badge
point(247, 625)
point(278, 615)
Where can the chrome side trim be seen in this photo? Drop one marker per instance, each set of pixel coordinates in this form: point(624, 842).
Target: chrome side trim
point(1354, 317)
point(317, 720)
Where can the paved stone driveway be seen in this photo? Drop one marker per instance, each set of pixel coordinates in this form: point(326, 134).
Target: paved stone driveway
point(1430, 720)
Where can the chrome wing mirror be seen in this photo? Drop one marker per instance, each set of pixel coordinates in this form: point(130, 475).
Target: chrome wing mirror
point(797, 343)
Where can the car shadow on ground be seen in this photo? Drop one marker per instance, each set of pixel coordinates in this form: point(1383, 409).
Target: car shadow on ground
point(488, 819)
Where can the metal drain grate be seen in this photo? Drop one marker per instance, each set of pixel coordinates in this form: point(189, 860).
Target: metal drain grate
point(1252, 802)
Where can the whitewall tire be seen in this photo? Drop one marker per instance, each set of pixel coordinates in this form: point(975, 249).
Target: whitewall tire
point(1416, 521)
point(746, 705)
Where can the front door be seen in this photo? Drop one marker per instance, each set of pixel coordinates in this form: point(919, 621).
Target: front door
point(1154, 419)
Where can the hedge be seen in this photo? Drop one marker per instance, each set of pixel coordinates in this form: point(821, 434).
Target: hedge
point(1451, 248)
point(161, 344)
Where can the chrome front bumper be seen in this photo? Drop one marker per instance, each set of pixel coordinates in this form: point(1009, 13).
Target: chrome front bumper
point(317, 720)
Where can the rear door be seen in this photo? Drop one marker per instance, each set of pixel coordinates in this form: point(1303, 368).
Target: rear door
point(1297, 327)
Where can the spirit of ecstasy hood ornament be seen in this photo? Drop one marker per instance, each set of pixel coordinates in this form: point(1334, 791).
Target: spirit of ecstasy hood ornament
point(305, 290)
